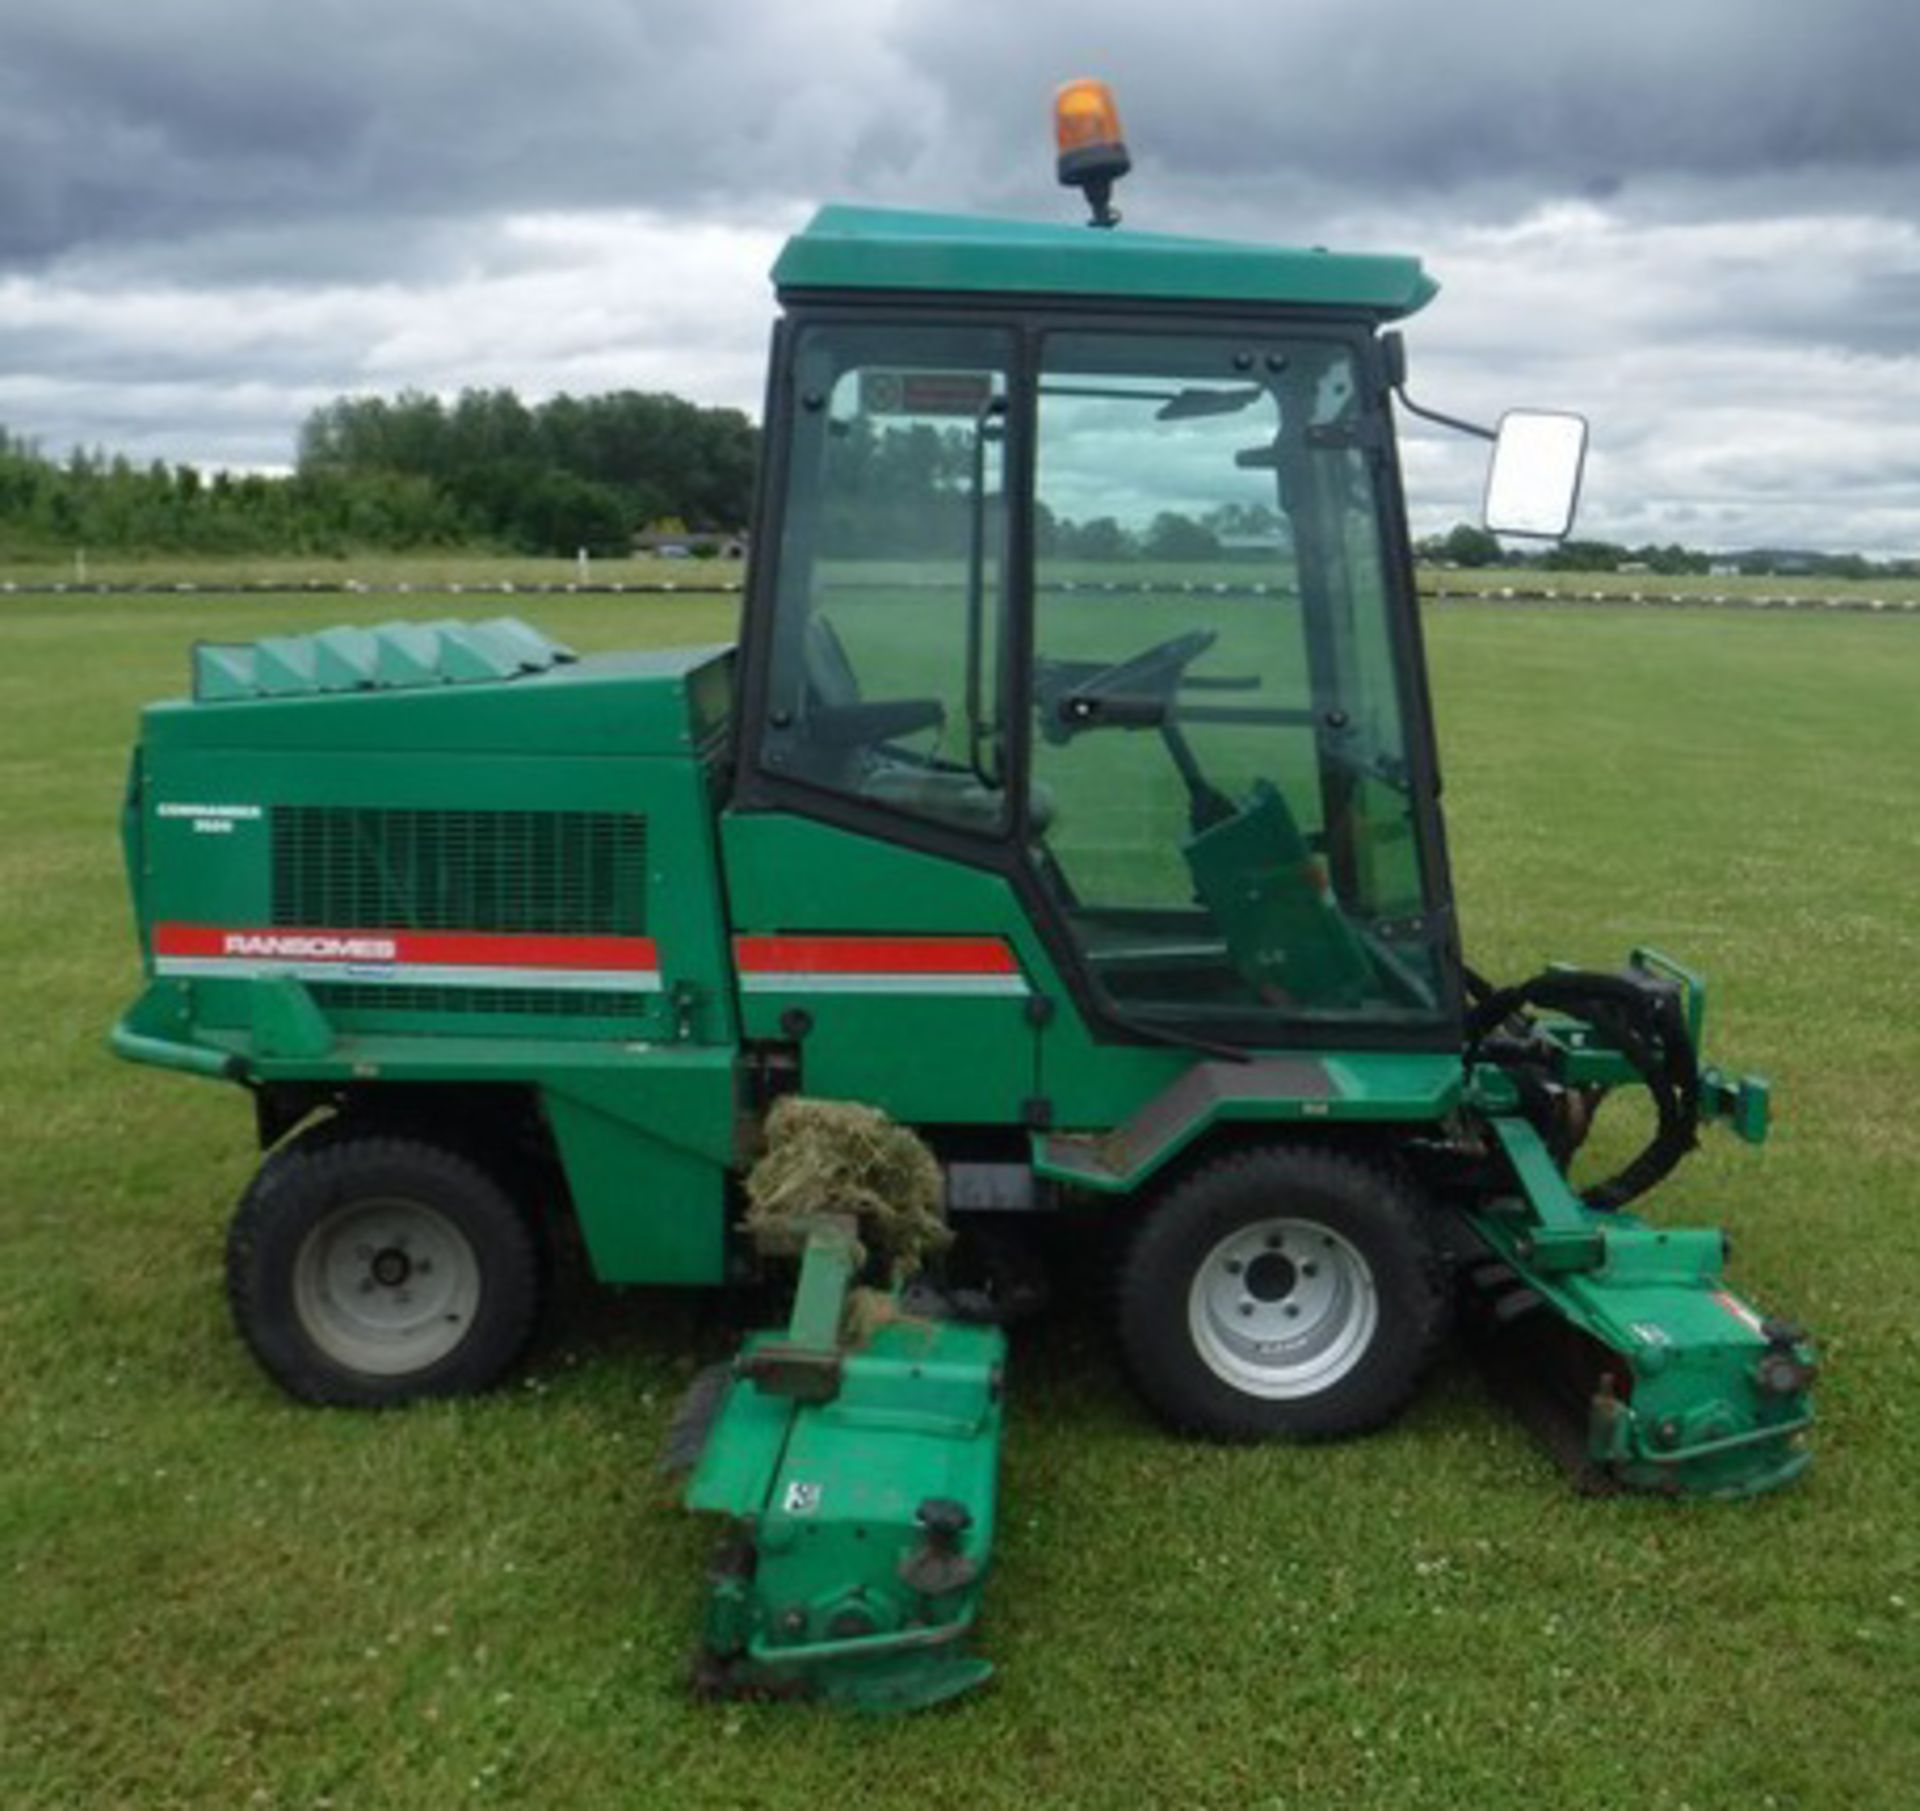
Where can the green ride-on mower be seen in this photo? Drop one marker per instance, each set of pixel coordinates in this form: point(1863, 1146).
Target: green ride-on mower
point(1070, 801)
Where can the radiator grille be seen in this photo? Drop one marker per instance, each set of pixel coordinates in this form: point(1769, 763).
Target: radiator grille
point(380, 868)
point(547, 1002)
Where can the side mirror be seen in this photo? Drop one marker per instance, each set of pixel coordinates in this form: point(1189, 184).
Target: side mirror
point(1533, 482)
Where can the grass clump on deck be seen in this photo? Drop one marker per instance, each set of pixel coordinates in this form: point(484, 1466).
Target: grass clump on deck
point(839, 1157)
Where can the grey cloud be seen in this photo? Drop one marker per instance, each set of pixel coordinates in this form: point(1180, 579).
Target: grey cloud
point(177, 119)
point(182, 116)
point(1695, 219)
point(1399, 95)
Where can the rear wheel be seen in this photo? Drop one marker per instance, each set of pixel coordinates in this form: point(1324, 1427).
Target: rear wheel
point(372, 1268)
point(1281, 1291)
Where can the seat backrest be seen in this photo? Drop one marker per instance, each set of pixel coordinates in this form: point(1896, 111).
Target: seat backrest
point(1268, 893)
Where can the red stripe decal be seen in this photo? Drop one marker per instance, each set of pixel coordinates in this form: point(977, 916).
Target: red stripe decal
point(874, 956)
point(470, 949)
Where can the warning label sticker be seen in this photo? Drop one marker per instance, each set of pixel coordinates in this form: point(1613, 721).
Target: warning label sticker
point(802, 1498)
point(925, 392)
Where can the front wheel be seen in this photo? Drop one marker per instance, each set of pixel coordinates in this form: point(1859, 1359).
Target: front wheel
point(367, 1268)
point(1283, 1290)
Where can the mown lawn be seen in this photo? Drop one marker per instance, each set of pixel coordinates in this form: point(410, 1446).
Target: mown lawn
point(211, 1597)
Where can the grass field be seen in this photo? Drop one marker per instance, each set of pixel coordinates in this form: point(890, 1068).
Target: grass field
point(494, 570)
point(214, 1598)
point(371, 569)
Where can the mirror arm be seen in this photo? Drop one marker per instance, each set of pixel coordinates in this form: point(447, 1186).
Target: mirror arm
point(1446, 421)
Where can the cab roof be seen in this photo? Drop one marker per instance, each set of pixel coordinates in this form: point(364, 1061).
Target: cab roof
point(850, 248)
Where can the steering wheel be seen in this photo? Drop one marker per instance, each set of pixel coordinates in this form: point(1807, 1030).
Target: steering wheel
point(1134, 693)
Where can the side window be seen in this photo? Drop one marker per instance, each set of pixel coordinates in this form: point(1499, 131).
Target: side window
point(886, 681)
point(1219, 785)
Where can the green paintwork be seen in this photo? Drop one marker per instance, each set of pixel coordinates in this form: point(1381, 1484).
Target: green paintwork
point(922, 1058)
point(1687, 1413)
point(197, 879)
point(825, 1493)
point(393, 657)
point(1744, 1103)
point(642, 1107)
point(169, 1053)
point(661, 703)
point(647, 1143)
point(845, 248)
point(283, 1020)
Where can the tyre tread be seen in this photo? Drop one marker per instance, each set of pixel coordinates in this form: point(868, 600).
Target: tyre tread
point(303, 1178)
point(1158, 1353)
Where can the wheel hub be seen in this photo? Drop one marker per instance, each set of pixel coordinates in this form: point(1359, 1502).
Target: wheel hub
point(391, 1267)
point(386, 1286)
point(1282, 1308)
point(1270, 1277)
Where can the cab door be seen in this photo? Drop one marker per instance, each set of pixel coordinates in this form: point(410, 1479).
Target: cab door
point(1231, 827)
point(869, 849)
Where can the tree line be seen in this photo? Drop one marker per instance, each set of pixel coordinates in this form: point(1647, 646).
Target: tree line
point(573, 471)
point(488, 470)
point(1470, 546)
point(403, 473)
point(108, 504)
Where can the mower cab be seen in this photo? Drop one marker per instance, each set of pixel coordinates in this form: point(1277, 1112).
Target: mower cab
point(1071, 799)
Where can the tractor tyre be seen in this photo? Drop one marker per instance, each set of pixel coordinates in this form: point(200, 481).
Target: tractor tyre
point(1284, 1291)
point(372, 1268)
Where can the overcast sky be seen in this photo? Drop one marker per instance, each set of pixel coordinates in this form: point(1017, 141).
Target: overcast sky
point(1696, 221)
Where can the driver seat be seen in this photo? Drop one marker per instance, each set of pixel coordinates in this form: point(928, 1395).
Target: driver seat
point(947, 794)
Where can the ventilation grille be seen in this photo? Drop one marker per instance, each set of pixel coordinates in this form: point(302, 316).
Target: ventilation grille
point(374, 868)
point(547, 1002)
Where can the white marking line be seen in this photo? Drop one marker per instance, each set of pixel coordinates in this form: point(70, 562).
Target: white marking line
point(415, 974)
point(805, 983)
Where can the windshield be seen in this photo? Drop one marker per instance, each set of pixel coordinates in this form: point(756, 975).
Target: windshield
point(1220, 787)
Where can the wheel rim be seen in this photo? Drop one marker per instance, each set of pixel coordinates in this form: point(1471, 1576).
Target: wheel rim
point(386, 1286)
point(1282, 1308)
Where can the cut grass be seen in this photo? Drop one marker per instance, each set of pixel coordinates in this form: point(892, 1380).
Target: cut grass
point(213, 1597)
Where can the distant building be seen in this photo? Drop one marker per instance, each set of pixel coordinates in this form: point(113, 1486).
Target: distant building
point(681, 544)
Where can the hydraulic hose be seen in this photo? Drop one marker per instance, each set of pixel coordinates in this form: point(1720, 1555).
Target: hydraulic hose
point(1639, 1015)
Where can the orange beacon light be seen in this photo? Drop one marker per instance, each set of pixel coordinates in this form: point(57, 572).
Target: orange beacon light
point(1093, 154)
